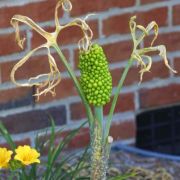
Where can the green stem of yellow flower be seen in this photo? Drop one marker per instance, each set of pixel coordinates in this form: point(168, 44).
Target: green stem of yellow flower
point(78, 87)
point(118, 90)
point(24, 175)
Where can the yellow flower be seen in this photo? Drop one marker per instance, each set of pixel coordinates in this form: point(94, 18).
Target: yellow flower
point(5, 157)
point(27, 155)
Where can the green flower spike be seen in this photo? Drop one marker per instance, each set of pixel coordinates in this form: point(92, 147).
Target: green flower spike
point(140, 54)
point(96, 80)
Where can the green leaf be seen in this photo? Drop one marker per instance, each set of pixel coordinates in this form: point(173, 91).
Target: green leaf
point(124, 177)
point(54, 154)
point(14, 165)
point(7, 136)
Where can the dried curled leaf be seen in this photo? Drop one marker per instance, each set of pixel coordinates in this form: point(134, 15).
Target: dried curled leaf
point(53, 78)
point(140, 54)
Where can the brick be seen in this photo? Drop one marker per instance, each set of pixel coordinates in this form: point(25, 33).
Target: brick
point(42, 11)
point(177, 66)
point(17, 97)
point(158, 70)
point(8, 44)
point(22, 142)
point(34, 120)
point(119, 51)
point(63, 90)
point(176, 10)
point(67, 36)
point(82, 139)
point(170, 40)
point(160, 96)
point(34, 66)
point(152, 1)
point(77, 111)
point(125, 103)
point(119, 131)
point(83, 7)
point(119, 24)
point(123, 130)
point(74, 34)
point(37, 39)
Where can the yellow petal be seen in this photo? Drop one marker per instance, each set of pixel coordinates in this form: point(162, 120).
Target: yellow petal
point(27, 155)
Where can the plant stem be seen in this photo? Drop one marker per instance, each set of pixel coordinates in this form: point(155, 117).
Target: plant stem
point(78, 87)
point(99, 158)
point(24, 175)
point(118, 90)
point(98, 111)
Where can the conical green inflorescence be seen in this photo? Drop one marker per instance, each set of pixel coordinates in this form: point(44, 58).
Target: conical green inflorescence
point(96, 80)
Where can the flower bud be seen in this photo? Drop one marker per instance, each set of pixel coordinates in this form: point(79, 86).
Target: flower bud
point(96, 80)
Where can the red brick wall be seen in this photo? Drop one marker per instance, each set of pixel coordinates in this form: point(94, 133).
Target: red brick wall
point(20, 112)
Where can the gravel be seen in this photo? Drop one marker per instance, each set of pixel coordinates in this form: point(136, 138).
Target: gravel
point(125, 161)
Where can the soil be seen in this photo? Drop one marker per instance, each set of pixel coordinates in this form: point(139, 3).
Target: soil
point(155, 169)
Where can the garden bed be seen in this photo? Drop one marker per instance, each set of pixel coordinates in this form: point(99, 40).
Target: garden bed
point(124, 160)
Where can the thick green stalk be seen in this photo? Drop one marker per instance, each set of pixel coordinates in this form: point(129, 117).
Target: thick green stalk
point(118, 90)
point(78, 87)
point(98, 111)
point(98, 159)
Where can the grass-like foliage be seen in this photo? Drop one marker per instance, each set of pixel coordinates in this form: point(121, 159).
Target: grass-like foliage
point(54, 165)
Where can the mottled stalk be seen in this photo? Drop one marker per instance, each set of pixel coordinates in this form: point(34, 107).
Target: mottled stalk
point(99, 149)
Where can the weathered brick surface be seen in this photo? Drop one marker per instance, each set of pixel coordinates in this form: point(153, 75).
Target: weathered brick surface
point(176, 10)
point(22, 142)
point(125, 103)
point(80, 140)
point(119, 51)
point(34, 120)
point(34, 66)
point(42, 11)
point(170, 40)
point(123, 130)
point(158, 71)
point(17, 97)
point(83, 7)
point(152, 1)
point(119, 131)
point(160, 96)
point(177, 66)
point(74, 34)
point(8, 44)
point(112, 26)
point(77, 111)
point(65, 89)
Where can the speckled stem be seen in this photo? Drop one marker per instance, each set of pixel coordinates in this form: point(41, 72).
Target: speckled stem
point(100, 151)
